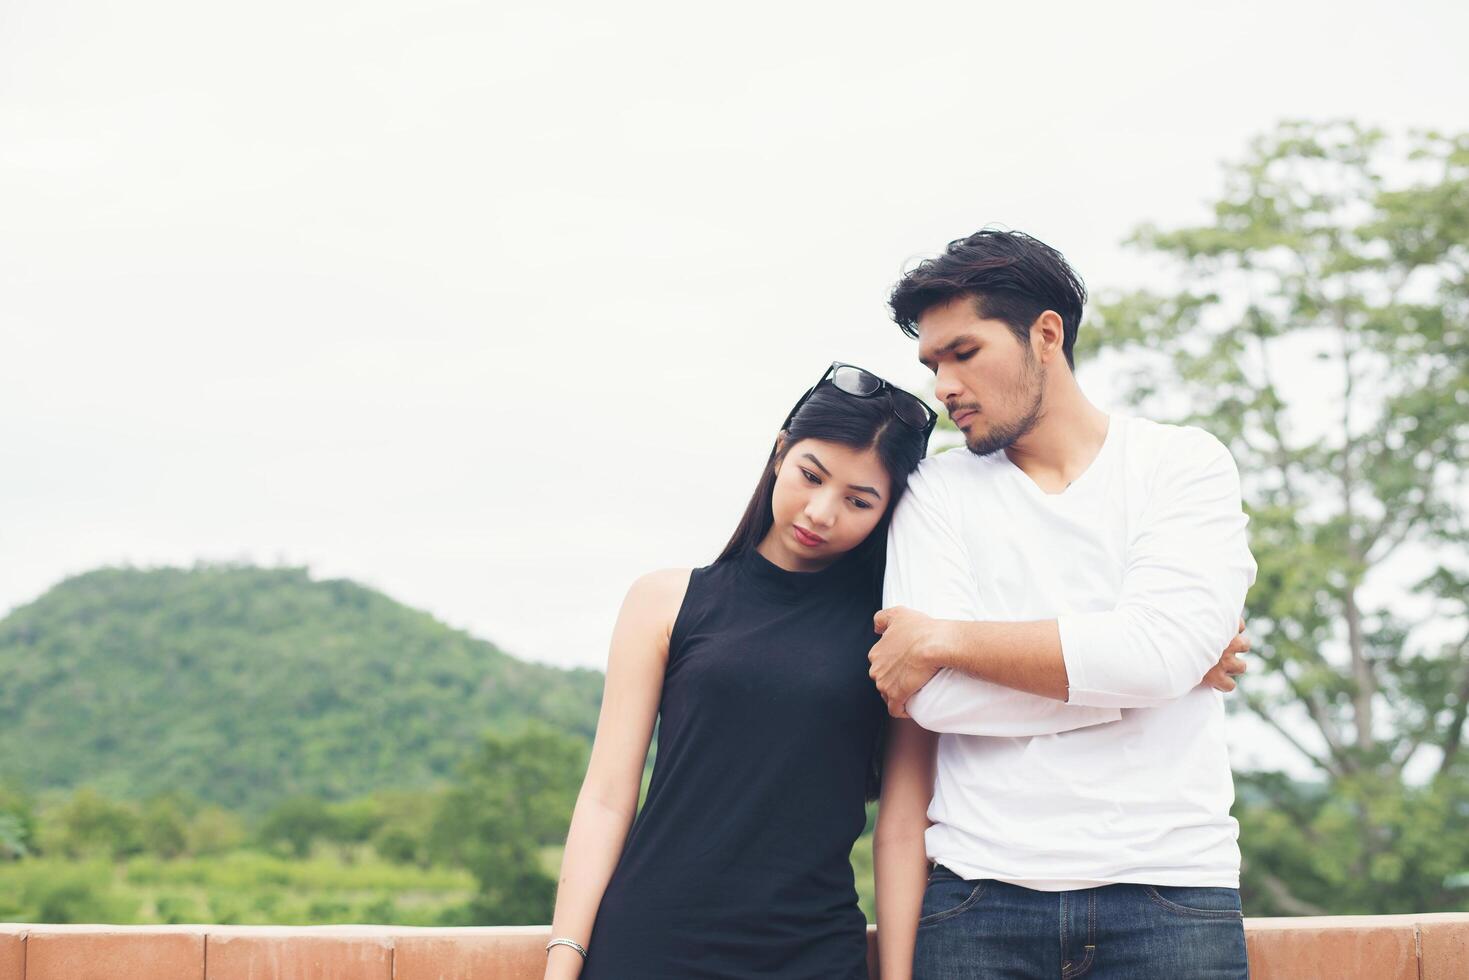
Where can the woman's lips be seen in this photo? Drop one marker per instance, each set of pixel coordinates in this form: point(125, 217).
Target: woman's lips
point(807, 538)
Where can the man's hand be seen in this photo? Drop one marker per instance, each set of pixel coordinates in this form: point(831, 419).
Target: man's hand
point(1221, 676)
point(898, 665)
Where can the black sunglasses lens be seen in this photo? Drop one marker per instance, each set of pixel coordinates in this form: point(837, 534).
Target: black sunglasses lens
point(910, 410)
point(855, 381)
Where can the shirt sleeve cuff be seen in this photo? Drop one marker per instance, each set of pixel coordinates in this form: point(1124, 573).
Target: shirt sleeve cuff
point(1083, 649)
point(958, 704)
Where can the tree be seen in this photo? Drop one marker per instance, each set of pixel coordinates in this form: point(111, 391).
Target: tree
point(215, 830)
point(89, 824)
point(355, 820)
point(12, 837)
point(407, 816)
point(164, 824)
point(297, 823)
point(514, 796)
point(1321, 333)
point(17, 823)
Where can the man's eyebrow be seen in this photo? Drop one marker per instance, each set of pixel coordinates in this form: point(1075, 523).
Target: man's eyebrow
point(817, 462)
point(948, 348)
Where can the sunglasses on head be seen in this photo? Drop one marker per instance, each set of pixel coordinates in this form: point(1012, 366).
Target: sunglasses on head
point(861, 383)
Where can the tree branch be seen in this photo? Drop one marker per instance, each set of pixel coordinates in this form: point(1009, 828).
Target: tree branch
point(1454, 737)
point(1281, 894)
point(1404, 529)
point(1271, 421)
point(1362, 670)
point(1317, 709)
point(1258, 707)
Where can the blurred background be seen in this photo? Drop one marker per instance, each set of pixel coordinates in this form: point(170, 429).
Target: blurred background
point(355, 357)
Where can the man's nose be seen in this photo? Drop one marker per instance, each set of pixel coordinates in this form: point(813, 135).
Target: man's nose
point(946, 384)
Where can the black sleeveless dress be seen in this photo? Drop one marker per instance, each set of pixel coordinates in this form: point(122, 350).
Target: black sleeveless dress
point(738, 865)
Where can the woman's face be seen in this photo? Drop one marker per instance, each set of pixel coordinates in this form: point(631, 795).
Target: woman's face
point(827, 499)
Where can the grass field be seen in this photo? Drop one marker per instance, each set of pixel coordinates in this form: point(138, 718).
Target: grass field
point(244, 887)
point(335, 886)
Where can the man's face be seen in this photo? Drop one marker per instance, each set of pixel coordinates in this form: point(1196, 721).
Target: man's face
point(991, 383)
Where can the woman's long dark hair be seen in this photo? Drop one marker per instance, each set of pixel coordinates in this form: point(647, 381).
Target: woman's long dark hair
point(833, 415)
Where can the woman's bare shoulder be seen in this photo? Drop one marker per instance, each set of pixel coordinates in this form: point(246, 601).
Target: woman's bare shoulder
point(657, 596)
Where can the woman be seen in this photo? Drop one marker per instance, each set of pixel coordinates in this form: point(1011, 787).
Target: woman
point(756, 667)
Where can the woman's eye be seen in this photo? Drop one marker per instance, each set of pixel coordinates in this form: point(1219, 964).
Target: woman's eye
point(861, 504)
point(811, 477)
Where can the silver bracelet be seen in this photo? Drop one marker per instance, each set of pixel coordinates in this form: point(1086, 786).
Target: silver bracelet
point(568, 942)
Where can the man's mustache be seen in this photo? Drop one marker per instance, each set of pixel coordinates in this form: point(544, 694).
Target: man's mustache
point(955, 408)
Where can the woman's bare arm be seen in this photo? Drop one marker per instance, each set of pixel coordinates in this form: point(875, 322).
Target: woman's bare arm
point(900, 862)
point(609, 793)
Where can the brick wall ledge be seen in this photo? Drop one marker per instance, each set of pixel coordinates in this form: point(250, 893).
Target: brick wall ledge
point(1369, 947)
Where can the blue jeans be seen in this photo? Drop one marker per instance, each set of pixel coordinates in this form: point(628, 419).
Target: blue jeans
point(988, 930)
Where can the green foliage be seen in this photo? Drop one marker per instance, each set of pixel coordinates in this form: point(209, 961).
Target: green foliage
point(514, 796)
point(12, 837)
point(862, 872)
point(164, 825)
point(403, 830)
point(90, 825)
point(296, 823)
point(214, 830)
point(239, 888)
point(354, 821)
point(63, 892)
point(1322, 332)
point(250, 686)
point(17, 824)
point(396, 824)
point(87, 825)
point(1306, 853)
point(226, 680)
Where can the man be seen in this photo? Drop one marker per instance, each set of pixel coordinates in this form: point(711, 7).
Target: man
point(1054, 596)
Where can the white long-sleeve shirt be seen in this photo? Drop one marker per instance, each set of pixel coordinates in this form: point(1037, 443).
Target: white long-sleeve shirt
point(1143, 563)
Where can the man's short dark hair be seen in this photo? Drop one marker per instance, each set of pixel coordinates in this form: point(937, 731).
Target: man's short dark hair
point(1011, 277)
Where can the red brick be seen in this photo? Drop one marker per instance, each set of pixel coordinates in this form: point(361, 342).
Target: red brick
point(1343, 948)
point(300, 953)
point(1372, 947)
point(114, 953)
point(475, 953)
point(1444, 941)
point(12, 951)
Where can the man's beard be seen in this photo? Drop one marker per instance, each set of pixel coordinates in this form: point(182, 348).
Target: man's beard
point(1004, 436)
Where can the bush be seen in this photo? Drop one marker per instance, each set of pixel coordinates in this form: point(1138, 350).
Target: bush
point(90, 825)
point(81, 893)
point(515, 795)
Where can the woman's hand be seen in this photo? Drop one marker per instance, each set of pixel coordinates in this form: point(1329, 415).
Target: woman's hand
point(1221, 676)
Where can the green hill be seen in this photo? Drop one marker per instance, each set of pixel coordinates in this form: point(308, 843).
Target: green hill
point(243, 686)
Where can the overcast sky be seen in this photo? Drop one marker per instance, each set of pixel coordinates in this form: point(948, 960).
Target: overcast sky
point(495, 306)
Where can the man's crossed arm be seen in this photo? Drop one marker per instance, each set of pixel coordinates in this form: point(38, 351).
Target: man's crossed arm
point(1024, 657)
point(1187, 572)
